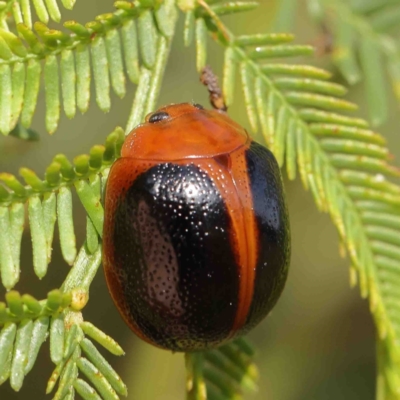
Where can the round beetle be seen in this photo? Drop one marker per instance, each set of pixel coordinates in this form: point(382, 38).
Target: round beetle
point(196, 235)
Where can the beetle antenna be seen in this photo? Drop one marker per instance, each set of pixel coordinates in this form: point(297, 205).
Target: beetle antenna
point(210, 80)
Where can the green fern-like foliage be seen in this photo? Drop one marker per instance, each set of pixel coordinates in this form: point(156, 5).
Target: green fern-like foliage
point(27, 322)
point(365, 46)
point(301, 115)
point(15, 12)
point(104, 51)
point(223, 373)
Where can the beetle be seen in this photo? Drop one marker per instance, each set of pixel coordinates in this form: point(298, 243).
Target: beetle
point(196, 241)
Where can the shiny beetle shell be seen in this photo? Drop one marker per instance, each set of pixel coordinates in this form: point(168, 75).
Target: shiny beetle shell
point(196, 234)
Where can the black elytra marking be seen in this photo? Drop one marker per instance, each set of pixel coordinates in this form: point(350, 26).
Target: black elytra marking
point(177, 267)
point(158, 116)
point(273, 229)
point(198, 106)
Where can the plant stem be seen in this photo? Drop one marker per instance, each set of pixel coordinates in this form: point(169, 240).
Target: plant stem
point(195, 385)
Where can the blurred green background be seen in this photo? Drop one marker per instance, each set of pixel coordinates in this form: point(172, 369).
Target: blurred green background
point(319, 341)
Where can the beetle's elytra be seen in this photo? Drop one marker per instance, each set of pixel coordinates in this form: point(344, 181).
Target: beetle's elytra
point(196, 237)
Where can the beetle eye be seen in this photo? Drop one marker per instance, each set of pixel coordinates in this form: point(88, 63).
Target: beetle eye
point(158, 116)
point(198, 106)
